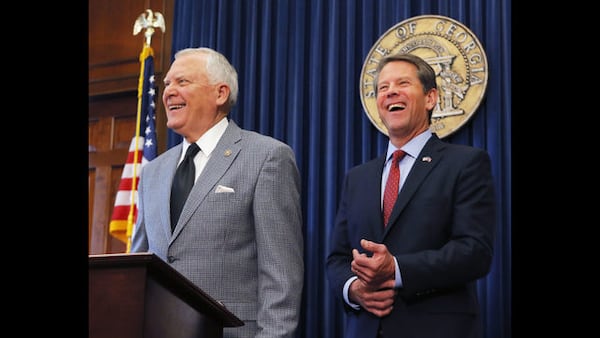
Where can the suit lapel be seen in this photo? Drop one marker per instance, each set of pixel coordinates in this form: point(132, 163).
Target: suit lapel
point(165, 173)
point(222, 157)
point(373, 195)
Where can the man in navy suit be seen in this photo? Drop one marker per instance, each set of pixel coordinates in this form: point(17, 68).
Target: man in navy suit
point(239, 234)
point(414, 277)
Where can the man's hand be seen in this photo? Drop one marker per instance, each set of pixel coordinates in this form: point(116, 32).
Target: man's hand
point(377, 271)
point(379, 302)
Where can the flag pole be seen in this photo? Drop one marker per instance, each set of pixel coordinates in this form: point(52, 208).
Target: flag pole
point(148, 22)
point(147, 50)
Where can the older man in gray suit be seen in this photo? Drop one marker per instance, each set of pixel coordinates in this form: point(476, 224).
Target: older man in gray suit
point(239, 235)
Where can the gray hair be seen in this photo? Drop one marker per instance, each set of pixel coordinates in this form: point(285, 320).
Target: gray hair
point(218, 69)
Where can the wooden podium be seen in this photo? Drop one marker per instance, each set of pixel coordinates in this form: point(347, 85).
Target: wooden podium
point(139, 295)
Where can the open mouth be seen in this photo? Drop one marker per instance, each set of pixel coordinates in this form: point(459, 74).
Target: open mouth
point(176, 106)
point(396, 107)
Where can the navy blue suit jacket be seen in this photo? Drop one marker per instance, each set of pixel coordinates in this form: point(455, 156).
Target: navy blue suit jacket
point(440, 231)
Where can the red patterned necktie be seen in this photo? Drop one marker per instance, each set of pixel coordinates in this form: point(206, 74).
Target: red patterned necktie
point(391, 187)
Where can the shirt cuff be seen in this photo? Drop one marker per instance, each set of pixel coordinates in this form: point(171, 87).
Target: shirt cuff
point(398, 281)
point(346, 298)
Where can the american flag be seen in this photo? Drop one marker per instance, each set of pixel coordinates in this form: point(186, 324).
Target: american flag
point(141, 150)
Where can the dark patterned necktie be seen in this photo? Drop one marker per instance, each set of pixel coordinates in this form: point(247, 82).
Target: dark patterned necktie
point(391, 187)
point(183, 183)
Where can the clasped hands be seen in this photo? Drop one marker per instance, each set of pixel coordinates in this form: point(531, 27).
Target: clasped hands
point(374, 289)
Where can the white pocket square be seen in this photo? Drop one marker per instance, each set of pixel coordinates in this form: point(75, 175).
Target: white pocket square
point(222, 188)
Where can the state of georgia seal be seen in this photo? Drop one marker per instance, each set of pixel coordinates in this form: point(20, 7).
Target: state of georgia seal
point(455, 54)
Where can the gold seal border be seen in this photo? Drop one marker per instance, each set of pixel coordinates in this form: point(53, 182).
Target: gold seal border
point(379, 51)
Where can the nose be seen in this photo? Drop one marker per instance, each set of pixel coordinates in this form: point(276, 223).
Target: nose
point(167, 91)
point(392, 91)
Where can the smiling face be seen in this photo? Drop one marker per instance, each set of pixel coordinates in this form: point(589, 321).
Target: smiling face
point(402, 104)
point(192, 103)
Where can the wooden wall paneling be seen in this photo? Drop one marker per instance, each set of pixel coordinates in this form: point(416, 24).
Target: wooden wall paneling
point(111, 129)
point(91, 182)
point(97, 179)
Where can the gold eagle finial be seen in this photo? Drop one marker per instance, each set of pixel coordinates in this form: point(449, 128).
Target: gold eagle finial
point(149, 21)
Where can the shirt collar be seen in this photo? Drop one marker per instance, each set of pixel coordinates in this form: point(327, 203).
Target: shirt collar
point(412, 148)
point(208, 141)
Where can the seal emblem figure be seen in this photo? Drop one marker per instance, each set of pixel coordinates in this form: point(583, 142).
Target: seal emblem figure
point(455, 54)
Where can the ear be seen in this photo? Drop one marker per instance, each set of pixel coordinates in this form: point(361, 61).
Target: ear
point(431, 98)
point(222, 94)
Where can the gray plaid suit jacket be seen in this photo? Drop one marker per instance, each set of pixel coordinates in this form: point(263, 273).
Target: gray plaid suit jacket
point(244, 248)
